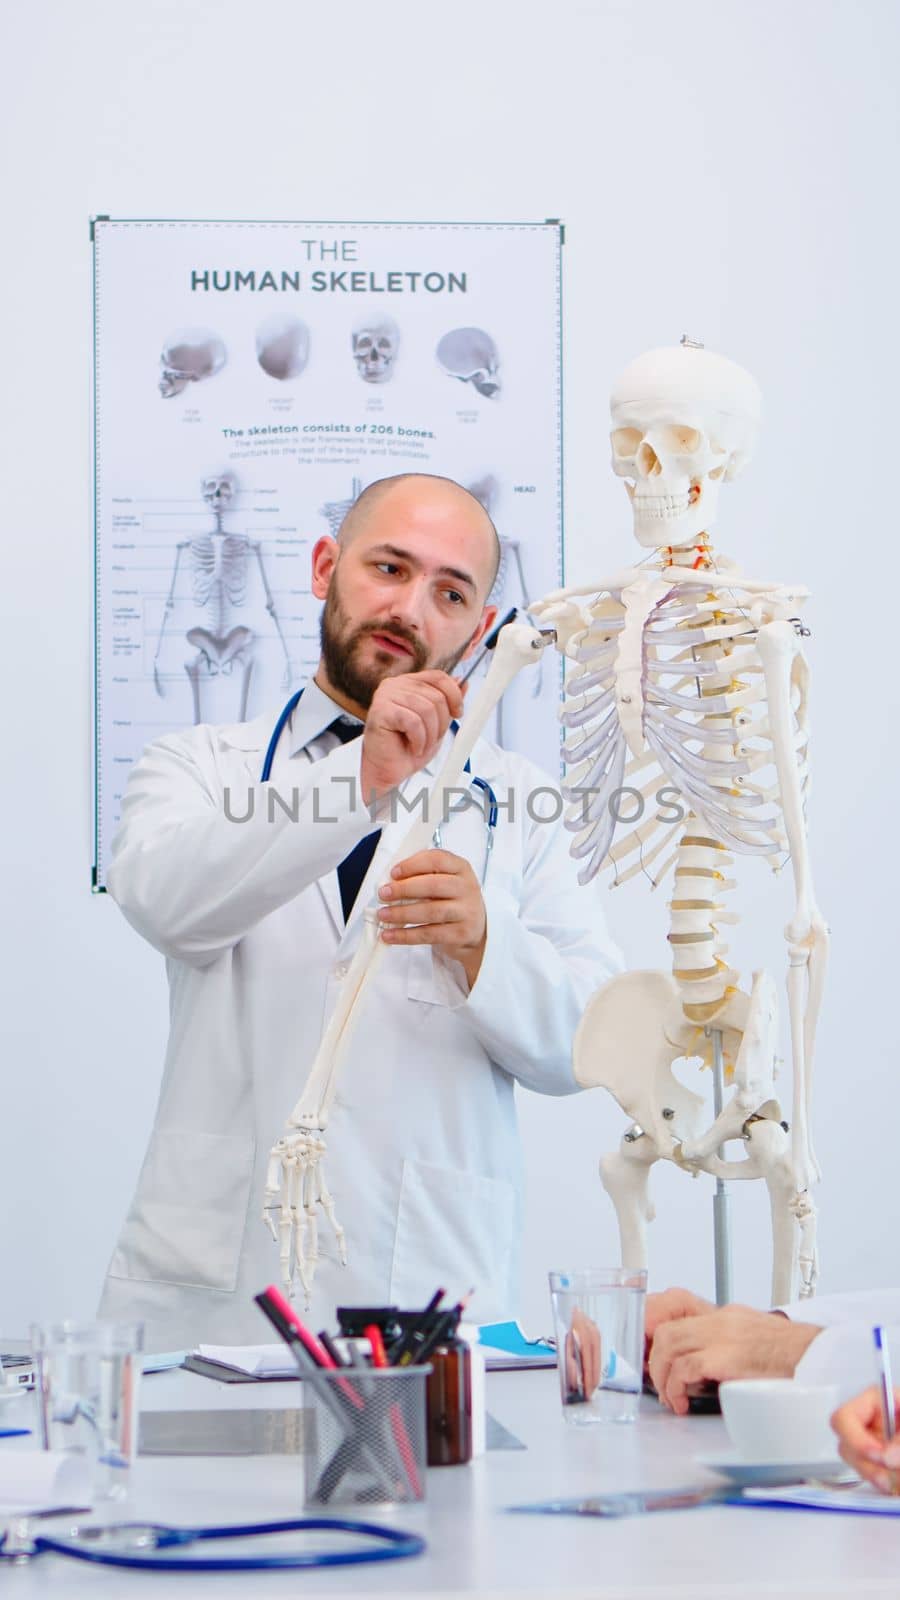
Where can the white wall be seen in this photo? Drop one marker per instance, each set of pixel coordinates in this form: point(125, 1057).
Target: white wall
point(723, 168)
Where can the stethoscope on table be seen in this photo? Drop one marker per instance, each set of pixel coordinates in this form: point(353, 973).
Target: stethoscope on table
point(491, 807)
point(154, 1546)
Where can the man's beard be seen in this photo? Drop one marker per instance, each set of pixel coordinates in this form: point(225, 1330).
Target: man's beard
point(340, 654)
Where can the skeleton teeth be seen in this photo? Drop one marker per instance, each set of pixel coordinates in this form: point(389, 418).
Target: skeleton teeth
point(663, 505)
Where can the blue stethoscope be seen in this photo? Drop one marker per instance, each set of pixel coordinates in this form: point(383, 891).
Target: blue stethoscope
point(151, 1545)
point(491, 808)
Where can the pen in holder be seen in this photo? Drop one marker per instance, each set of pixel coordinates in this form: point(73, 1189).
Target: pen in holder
point(372, 1454)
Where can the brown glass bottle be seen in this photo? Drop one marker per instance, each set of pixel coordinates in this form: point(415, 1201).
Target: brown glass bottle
point(448, 1404)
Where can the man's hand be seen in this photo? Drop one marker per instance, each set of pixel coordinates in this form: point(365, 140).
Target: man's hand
point(435, 898)
point(731, 1342)
point(861, 1440)
point(405, 724)
point(669, 1306)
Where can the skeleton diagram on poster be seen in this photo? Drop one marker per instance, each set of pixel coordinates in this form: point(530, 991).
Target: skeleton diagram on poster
point(250, 380)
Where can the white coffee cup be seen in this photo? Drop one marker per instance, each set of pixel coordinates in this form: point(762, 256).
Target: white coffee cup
point(778, 1419)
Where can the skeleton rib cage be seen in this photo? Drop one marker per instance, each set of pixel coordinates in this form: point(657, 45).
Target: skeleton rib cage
point(705, 727)
point(222, 580)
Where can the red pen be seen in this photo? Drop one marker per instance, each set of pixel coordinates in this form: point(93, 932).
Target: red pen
point(379, 1354)
point(398, 1427)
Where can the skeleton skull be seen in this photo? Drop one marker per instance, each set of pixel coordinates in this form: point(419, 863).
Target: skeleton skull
point(187, 357)
point(684, 421)
point(375, 346)
point(282, 347)
point(470, 355)
point(218, 490)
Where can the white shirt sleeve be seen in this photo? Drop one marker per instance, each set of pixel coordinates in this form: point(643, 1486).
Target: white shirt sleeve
point(195, 868)
point(844, 1354)
point(857, 1305)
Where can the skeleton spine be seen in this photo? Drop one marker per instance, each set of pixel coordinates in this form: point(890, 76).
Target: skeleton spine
point(698, 963)
point(702, 862)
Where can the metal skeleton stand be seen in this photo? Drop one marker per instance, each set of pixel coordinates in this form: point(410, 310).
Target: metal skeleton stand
point(721, 1215)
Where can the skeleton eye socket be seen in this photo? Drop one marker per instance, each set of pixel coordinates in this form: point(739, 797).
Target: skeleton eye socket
point(625, 442)
point(680, 441)
point(384, 344)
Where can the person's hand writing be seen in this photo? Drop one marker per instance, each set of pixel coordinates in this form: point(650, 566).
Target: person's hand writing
point(731, 1342)
point(861, 1440)
point(405, 724)
point(434, 898)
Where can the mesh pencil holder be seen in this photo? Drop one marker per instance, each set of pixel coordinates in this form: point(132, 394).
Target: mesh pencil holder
point(366, 1438)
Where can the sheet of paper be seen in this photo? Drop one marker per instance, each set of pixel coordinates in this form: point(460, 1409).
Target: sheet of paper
point(260, 1360)
point(812, 1497)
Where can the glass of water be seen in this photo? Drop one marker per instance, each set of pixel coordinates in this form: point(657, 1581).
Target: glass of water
point(88, 1396)
point(598, 1316)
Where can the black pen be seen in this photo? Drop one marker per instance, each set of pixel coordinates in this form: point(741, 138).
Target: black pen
point(489, 643)
point(402, 1352)
point(444, 1327)
point(328, 1344)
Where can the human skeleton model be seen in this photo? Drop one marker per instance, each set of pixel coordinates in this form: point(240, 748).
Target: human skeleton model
point(189, 357)
point(218, 564)
point(688, 677)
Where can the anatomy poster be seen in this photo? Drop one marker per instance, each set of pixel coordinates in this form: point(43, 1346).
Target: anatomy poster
point(250, 380)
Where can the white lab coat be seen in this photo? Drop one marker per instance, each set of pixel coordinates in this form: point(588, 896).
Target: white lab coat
point(844, 1352)
point(423, 1160)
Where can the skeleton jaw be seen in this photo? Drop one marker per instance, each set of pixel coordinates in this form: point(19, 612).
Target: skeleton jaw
point(675, 517)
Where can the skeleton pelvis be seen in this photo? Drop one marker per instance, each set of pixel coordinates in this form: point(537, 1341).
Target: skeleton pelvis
point(220, 652)
point(631, 1032)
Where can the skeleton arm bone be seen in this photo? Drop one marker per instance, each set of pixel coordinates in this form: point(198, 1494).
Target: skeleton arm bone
point(270, 607)
point(167, 613)
point(517, 646)
point(806, 933)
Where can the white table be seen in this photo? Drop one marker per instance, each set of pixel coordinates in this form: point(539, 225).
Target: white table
point(474, 1546)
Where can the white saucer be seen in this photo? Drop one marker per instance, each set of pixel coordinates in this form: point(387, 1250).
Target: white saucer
point(769, 1474)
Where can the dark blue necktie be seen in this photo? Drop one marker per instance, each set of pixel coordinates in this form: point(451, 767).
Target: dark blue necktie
point(354, 867)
